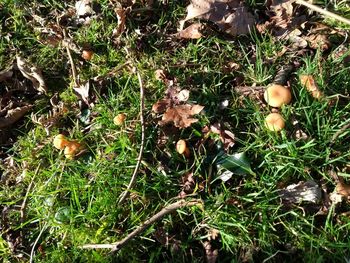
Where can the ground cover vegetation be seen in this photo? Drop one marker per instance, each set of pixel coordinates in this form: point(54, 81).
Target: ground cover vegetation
point(174, 131)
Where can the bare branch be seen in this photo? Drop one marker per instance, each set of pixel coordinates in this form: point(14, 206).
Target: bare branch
point(323, 11)
point(126, 193)
point(166, 210)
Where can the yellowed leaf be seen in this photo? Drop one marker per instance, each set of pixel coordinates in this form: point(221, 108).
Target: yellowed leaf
point(310, 84)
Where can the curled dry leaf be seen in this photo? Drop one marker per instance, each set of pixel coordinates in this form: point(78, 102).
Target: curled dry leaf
point(33, 74)
point(83, 92)
point(191, 32)
point(229, 15)
point(13, 115)
point(160, 74)
point(181, 115)
point(83, 8)
point(226, 136)
point(310, 84)
point(121, 15)
point(161, 105)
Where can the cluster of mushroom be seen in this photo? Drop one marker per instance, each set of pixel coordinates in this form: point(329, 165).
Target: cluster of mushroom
point(276, 95)
point(71, 148)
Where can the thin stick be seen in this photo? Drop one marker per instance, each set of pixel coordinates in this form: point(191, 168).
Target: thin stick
point(36, 241)
point(166, 210)
point(126, 193)
point(74, 70)
point(323, 11)
point(24, 203)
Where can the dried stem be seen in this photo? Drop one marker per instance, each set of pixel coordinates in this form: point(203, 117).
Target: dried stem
point(126, 193)
point(74, 70)
point(24, 203)
point(166, 210)
point(323, 11)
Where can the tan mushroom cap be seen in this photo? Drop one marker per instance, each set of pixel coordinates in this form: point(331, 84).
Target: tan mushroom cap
point(274, 122)
point(60, 141)
point(181, 146)
point(277, 95)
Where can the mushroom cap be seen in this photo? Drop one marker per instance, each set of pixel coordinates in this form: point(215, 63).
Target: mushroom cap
point(72, 149)
point(274, 122)
point(277, 95)
point(60, 141)
point(181, 146)
point(119, 119)
point(87, 54)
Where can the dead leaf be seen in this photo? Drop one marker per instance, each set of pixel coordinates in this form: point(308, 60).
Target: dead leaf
point(319, 41)
point(161, 105)
point(308, 191)
point(343, 189)
point(33, 74)
point(226, 136)
point(183, 95)
point(13, 115)
point(240, 22)
point(191, 32)
point(121, 15)
point(229, 15)
point(310, 84)
point(83, 92)
point(83, 8)
point(160, 74)
point(181, 115)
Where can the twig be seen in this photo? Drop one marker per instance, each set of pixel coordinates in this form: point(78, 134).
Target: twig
point(166, 210)
point(36, 241)
point(24, 203)
point(126, 193)
point(323, 11)
point(74, 70)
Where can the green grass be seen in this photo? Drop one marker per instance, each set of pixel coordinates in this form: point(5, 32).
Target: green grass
point(75, 202)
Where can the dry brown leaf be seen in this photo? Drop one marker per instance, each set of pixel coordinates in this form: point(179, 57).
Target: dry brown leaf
point(181, 115)
point(33, 74)
point(83, 92)
point(161, 105)
point(83, 8)
point(229, 15)
point(191, 32)
point(226, 136)
point(121, 15)
point(14, 115)
point(343, 189)
point(311, 86)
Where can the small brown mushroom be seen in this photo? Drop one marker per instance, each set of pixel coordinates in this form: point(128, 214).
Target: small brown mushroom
point(60, 141)
point(119, 119)
point(274, 122)
point(181, 148)
point(87, 54)
point(72, 149)
point(277, 95)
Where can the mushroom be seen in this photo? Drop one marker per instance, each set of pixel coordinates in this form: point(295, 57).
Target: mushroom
point(119, 119)
point(60, 141)
point(72, 149)
point(87, 54)
point(277, 95)
point(274, 122)
point(181, 148)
